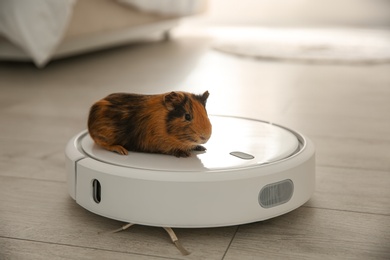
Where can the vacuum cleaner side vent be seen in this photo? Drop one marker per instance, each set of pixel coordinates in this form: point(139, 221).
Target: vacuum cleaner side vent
point(96, 191)
point(275, 194)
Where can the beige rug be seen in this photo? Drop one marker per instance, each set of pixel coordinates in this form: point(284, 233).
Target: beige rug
point(344, 46)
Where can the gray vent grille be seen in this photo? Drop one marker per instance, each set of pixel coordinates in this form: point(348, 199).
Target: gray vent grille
point(275, 194)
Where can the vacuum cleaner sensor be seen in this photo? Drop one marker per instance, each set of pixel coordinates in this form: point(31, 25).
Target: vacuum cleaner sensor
point(252, 170)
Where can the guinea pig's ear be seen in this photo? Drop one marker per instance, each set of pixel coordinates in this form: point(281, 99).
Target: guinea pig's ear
point(172, 100)
point(205, 97)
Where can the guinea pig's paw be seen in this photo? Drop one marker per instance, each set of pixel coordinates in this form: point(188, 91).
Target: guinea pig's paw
point(181, 153)
point(119, 149)
point(199, 148)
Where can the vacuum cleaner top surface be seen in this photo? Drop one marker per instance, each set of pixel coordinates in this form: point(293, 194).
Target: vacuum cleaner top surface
point(236, 143)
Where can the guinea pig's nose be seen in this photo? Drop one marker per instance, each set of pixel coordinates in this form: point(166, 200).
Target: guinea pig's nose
point(204, 137)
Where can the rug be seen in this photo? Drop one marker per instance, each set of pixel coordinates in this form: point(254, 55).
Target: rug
point(345, 46)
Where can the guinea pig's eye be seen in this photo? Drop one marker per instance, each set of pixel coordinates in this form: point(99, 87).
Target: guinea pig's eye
point(187, 117)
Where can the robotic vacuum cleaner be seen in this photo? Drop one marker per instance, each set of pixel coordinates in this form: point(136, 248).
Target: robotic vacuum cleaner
point(252, 170)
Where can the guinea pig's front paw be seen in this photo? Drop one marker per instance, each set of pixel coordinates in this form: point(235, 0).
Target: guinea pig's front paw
point(181, 153)
point(199, 148)
point(119, 149)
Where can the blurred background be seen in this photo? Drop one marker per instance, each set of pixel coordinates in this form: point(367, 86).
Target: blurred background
point(47, 30)
point(351, 13)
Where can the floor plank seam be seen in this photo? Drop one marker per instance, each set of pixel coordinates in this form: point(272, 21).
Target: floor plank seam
point(231, 241)
point(23, 140)
point(87, 247)
point(353, 168)
point(350, 211)
point(349, 168)
point(364, 139)
point(31, 179)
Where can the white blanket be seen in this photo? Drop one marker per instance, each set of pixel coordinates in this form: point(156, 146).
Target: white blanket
point(38, 26)
point(167, 7)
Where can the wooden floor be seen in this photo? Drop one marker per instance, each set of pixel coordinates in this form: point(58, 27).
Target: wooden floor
point(345, 110)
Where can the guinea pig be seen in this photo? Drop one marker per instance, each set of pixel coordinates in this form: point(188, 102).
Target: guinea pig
point(174, 123)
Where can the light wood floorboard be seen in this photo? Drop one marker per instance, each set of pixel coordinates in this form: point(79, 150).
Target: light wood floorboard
point(344, 110)
point(364, 191)
point(15, 249)
point(308, 233)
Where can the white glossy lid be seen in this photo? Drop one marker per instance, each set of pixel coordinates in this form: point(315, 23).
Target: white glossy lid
point(235, 143)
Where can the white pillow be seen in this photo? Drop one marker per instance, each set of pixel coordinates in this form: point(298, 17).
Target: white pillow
point(35, 26)
point(167, 7)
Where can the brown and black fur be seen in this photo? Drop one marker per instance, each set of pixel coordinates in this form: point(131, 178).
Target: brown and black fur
point(172, 123)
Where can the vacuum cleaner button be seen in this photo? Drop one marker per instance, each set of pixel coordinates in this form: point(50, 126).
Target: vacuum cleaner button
point(242, 155)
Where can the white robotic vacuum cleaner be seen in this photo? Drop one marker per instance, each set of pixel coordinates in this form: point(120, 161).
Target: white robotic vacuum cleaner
point(252, 170)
